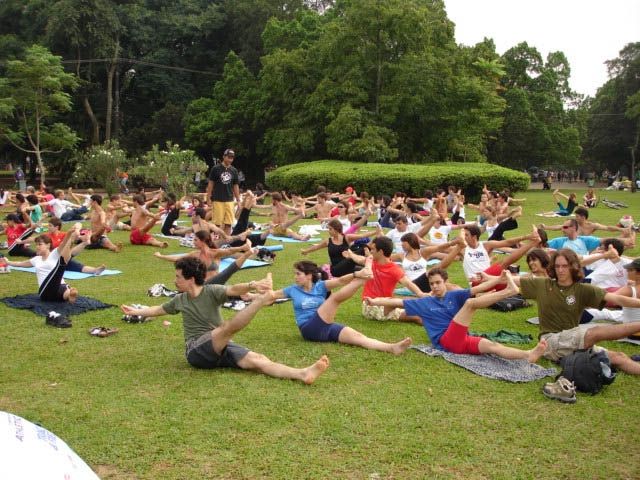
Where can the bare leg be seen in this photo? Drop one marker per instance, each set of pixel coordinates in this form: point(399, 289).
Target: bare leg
point(465, 315)
point(94, 270)
point(609, 332)
point(487, 346)
point(329, 307)
point(453, 253)
point(623, 362)
point(260, 363)
point(350, 336)
point(225, 332)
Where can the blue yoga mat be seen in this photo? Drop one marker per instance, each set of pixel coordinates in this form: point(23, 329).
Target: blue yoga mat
point(71, 275)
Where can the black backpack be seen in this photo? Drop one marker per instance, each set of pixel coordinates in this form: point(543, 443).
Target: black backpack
point(510, 303)
point(588, 369)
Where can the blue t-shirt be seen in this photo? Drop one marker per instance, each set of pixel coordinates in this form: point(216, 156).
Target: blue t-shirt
point(581, 245)
point(305, 304)
point(437, 313)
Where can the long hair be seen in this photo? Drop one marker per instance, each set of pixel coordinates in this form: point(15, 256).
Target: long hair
point(335, 224)
point(571, 257)
point(307, 267)
point(205, 236)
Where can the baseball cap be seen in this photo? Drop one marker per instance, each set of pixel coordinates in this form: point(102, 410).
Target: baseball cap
point(229, 153)
point(635, 265)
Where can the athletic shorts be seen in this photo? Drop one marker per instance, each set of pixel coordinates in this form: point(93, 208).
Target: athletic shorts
point(317, 330)
point(137, 238)
point(495, 271)
point(200, 353)
point(97, 243)
point(282, 232)
point(376, 312)
point(456, 339)
point(563, 343)
point(223, 213)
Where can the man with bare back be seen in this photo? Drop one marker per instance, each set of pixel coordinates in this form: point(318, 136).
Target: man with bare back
point(142, 221)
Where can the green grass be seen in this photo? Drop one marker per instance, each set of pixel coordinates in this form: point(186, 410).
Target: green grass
point(132, 407)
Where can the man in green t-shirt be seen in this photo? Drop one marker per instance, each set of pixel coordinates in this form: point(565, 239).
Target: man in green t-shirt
point(561, 300)
point(208, 336)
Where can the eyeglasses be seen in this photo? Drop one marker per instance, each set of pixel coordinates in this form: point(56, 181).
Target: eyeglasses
point(340, 206)
point(560, 266)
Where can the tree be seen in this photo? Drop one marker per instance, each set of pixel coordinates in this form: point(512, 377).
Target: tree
point(32, 94)
point(614, 125)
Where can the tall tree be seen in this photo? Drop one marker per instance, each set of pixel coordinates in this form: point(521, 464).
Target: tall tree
point(614, 125)
point(32, 95)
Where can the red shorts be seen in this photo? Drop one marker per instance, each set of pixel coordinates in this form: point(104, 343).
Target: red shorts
point(137, 238)
point(495, 271)
point(457, 340)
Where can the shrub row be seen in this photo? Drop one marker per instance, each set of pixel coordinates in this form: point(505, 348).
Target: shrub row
point(381, 178)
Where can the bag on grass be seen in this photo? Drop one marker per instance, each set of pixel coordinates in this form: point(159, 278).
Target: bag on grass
point(358, 246)
point(510, 303)
point(588, 369)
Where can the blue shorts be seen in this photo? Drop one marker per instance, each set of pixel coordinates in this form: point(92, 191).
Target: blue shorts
point(317, 330)
point(200, 353)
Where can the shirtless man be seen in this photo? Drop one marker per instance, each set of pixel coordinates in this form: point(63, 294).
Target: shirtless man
point(322, 207)
point(142, 221)
point(98, 220)
point(279, 218)
point(586, 228)
point(113, 213)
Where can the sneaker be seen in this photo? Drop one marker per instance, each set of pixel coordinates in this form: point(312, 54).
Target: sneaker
point(562, 389)
point(58, 320)
point(156, 290)
point(168, 293)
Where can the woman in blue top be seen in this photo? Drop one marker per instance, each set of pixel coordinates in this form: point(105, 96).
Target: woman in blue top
point(315, 307)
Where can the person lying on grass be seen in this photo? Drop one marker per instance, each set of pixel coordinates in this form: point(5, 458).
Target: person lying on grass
point(50, 267)
point(315, 307)
point(208, 336)
point(447, 315)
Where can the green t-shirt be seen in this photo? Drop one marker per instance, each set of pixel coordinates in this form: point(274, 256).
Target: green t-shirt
point(560, 308)
point(200, 314)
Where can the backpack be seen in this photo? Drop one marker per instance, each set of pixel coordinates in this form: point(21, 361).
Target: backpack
point(588, 369)
point(510, 303)
point(358, 247)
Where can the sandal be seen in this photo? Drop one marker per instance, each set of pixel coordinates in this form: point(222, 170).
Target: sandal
point(103, 331)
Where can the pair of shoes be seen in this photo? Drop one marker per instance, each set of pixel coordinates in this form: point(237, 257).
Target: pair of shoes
point(58, 320)
point(266, 255)
point(562, 389)
point(103, 331)
point(160, 290)
point(236, 304)
point(136, 319)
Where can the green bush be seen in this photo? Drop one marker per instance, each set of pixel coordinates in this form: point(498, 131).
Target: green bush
point(378, 178)
point(97, 166)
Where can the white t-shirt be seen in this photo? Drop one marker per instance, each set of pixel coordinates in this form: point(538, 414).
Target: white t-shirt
point(608, 274)
point(475, 260)
point(395, 235)
point(439, 234)
point(44, 267)
point(59, 206)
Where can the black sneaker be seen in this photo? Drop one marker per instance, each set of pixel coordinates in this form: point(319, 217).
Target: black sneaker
point(57, 320)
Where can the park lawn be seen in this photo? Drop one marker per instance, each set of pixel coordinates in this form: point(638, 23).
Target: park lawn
point(132, 407)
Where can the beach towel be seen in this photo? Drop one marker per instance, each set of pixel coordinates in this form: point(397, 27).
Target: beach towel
point(492, 366)
point(71, 275)
point(31, 301)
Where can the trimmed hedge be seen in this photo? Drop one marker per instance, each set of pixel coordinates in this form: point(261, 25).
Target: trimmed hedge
point(382, 178)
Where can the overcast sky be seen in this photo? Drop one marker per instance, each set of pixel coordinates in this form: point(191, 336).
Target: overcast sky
point(588, 32)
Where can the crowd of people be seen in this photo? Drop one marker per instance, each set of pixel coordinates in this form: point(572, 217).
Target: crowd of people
point(572, 277)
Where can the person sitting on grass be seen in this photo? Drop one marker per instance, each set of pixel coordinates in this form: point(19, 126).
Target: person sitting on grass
point(279, 218)
point(315, 307)
point(17, 234)
point(50, 266)
point(561, 301)
point(562, 210)
point(447, 315)
point(142, 220)
point(208, 336)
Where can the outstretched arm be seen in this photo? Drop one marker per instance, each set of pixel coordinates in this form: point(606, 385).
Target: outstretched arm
point(155, 311)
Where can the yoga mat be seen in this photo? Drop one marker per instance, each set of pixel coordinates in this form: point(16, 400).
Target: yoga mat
point(292, 240)
point(71, 275)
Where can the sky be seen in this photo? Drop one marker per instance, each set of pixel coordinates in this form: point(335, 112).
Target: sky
point(588, 32)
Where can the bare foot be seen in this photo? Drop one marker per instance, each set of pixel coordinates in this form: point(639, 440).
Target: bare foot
point(73, 294)
point(306, 237)
point(536, 352)
point(512, 288)
point(367, 271)
point(400, 347)
point(100, 269)
point(118, 247)
point(310, 374)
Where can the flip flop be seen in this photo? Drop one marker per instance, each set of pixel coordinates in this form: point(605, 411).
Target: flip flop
point(103, 331)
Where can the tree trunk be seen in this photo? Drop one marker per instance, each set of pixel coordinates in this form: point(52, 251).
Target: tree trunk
point(95, 126)
point(110, 72)
point(41, 166)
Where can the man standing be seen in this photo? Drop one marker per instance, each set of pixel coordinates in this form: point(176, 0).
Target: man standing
point(222, 189)
point(208, 336)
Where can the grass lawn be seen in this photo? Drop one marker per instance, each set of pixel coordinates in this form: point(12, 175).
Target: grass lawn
point(131, 406)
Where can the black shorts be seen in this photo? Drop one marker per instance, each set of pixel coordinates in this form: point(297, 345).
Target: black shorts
point(200, 353)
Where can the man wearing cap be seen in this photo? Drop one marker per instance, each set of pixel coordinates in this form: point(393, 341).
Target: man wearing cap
point(222, 189)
